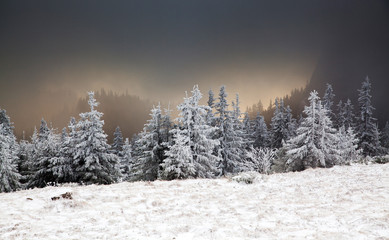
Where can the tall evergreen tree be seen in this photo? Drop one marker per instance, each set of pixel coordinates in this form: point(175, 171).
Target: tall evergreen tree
point(367, 127)
point(261, 136)
point(117, 146)
point(231, 143)
point(194, 134)
point(9, 176)
point(62, 163)
point(46, 150)
point(315, 139)
point(94, 162)
point(278, 131)
point(328, 101)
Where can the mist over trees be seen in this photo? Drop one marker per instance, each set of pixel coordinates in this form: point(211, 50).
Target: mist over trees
point(204, 141)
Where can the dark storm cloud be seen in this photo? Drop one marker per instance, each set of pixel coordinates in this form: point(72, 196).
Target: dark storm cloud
point(158, 49)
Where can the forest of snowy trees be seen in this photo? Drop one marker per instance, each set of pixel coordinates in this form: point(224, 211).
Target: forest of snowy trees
point(205, 141)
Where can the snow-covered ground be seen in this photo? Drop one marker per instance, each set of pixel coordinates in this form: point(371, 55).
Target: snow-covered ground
point(338, 203)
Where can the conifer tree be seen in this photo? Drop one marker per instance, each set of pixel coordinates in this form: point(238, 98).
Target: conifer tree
point(347, 146)
point(278, 131)
point(231, 143)
point(62, 164)
point(261, 136)
point(9, 175)
point(328, 101)
point(46, 151)
point(94, 163)
point(314, 143)
point(191, 154)
point(367, 127)
point(117, 146)
point(150, 146)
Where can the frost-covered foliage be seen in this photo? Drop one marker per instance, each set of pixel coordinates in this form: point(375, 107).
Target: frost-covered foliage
point(9, 176)
point(194, 137)
point(150, 149)
point(117, 146)
point(231, 148)
point(260, 159)
point(261, 135)
point(94, 163)
point(328, 101)
point(347, 147)
point(62, 164)
point(314, 144)
point(278, 130)
point(367, 127)
point(46, 151)
point(126, 161)
point(179, 163)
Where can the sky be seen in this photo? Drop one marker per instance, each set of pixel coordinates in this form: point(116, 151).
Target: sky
point(52, 52)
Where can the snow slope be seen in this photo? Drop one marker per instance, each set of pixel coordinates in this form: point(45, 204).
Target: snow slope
point(338, 203)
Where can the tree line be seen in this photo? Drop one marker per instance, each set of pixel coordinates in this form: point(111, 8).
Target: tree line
point(205, 141)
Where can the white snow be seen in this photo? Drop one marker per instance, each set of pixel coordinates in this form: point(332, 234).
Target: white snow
point(348, 202)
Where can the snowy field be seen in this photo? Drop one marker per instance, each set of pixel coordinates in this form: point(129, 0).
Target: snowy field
point(338, 203)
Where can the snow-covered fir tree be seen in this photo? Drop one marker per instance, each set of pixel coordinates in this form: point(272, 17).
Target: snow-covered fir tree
point(278, 131)
point(261, 136)
point(193, 134)
point(238, 128)
point(328, 101)
point(62, 164)
point(348, 115)
point(314, 144)
point(127, 161)
point(117, 146)
point(367, 126)
point(210, 118)
point(150, 149)
point(179, 163)
point(94, 163)
point(9, 175)
point(231, 147)
point(347, 146)
point(291, 123)
point(46, 151)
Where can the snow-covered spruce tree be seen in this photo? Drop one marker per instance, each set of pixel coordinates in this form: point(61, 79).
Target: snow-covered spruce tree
point(339, 117)
point(248, 130)
point(315, 141)
point(347, 146)
point(166, 126)
point(385, 138)
point(367, 127)
point(62, 164)
point(8, 130)
point(150, 149)
point(179, 163)
point(94, 163)
point(210, 118)
point(231, 147)
point(328, 101)
point(46, 150)
point(126, 161)
point(260, 160)
point(348, 114)
point(278, 130)
point(291, 123)
point(261, 136)
point(237, 123)
point(117, 146)
point(194, 137)
point(9, 176)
